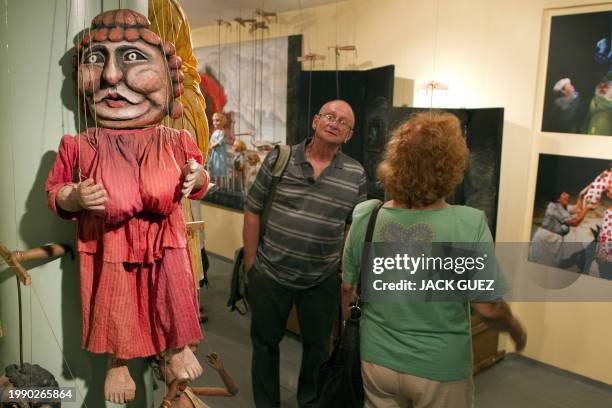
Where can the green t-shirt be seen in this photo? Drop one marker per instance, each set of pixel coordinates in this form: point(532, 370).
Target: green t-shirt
point(430, 340)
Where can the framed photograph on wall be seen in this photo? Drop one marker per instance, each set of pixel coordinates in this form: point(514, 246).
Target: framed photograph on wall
point(575, 87)
point(571, 227)
point(572, 143)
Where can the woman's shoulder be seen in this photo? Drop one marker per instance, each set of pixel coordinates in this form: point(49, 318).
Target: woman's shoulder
point(468, 214)
point(467, 224)
point(364, 208)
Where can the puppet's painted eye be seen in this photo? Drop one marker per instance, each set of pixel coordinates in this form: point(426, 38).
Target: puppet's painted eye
point(94, 58)
point(133, 56)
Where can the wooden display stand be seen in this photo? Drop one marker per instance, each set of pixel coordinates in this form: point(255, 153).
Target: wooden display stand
point(484, 341)
point(484, 345)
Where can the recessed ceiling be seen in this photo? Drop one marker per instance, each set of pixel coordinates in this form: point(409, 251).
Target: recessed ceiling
point(204, 12)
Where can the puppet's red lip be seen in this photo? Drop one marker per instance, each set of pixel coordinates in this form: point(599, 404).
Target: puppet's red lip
point(115, 100)
point(116, 103)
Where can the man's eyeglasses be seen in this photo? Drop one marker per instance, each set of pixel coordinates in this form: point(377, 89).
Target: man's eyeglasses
point(342, 124)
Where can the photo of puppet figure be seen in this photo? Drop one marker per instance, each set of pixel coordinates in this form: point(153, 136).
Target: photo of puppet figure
point(217, 164)
point(598, 190)
point(130, 174)
point(239, 164)
point(578, 92)
point(571, 215)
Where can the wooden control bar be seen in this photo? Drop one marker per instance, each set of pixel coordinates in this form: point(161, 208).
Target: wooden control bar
point(14, 258)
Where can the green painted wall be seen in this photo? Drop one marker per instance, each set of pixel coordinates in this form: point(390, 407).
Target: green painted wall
point(36, 108)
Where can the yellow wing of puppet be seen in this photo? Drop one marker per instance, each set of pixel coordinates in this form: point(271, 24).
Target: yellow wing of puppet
point(169, 21)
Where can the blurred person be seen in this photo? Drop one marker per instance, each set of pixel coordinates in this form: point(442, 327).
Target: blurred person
point(566, 106)
point(548, 244)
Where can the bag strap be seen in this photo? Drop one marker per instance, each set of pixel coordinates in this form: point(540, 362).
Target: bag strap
point(368, 239)
point(280, 164)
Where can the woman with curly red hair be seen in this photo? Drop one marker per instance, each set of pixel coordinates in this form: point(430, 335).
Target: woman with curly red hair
point(417, 354)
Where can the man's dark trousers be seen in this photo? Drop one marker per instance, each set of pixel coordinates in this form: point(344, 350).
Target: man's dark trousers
point(270, 305)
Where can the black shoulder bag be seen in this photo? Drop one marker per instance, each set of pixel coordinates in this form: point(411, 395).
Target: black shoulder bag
point(237, 291)
point(339, 382)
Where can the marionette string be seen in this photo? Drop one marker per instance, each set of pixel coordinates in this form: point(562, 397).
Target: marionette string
point(57, 342)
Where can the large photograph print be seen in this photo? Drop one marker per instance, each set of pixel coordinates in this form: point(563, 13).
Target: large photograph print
point(578, 86)
point(572, 217)
point(249, 104)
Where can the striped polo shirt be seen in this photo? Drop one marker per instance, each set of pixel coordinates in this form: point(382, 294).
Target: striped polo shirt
point(302, 245)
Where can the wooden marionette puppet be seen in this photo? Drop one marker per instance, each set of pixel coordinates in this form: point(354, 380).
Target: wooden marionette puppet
point(18, 379)
point(239, 162)
point(137, 292)
point(179, 395)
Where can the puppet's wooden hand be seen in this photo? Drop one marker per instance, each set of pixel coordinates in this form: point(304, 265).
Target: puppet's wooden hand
point(194, 176)
point(82, 196)
point(214, 361)
point(91, 196)
point(175, 389)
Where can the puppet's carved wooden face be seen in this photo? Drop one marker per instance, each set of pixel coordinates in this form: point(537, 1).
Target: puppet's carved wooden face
point(126, 84)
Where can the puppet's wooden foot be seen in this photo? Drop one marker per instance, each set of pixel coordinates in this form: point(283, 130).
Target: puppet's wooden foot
point(118, 386)
point(184, 364)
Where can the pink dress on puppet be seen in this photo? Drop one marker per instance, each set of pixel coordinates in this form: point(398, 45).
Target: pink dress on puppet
point(137, 289)
point(602, 184)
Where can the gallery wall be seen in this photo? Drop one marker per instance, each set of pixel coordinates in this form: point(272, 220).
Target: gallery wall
point(487, 51)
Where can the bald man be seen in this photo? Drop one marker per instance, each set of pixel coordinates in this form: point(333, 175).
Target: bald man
point(298, 260)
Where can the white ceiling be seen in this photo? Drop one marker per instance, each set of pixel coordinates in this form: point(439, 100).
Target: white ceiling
point(204, 12)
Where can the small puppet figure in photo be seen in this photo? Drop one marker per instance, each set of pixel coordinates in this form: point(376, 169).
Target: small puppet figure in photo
point(217, 164)
point(240, 162)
